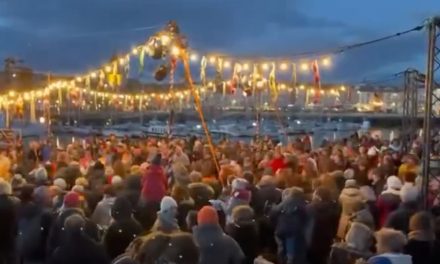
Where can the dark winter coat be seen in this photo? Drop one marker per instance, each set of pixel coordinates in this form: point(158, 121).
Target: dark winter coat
point(123, 230)
point(399, 219)
point(246, 235)
point(290, 218)
point(201, 193)
point(216, 247)
point(266, 195)
point(325, 215)
point(79, 248)
point(421, 246)
point(8, 228)
point(182, 211)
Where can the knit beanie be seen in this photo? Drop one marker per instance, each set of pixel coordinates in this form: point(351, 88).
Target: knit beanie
point(40, 175)
point(60, 183)
point(116, 180)
point(71, 200)
point(157, 160)
point(42, 195)
point(167, 204)
point(394, 183)
point(207, 215)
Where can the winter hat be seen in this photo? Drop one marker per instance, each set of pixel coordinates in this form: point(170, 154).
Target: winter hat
point(390, 241)
point(60, 183)
point(71, 200)
point(78, 189)
point(394, 183)
point(349, 174)
point(122, 208)
point(157, 160)
point(409, 194)
point(40, 175)
point(116, 180)
point(207, 215)
point(350, 183)
point(74, 223)
point(135, 170)
point(167, 203)
point(195, 176)
point(242, 213)
point(267, 180)
point(82, 181)
point(42, 195)
point(5, 187)
point(239, 184)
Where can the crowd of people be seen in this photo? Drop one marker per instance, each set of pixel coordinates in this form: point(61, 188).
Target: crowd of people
point(167, 201)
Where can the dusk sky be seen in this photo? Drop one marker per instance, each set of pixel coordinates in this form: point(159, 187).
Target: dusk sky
point(73, 36)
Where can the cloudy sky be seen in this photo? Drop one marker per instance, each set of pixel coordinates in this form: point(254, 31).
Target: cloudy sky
point(73, 36)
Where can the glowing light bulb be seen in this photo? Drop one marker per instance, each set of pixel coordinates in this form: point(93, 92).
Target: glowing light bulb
point(283, 86)
point(78, 79)
point(175, 51)
point(245, 67)
point(283, 66)
point(343, 88)
point(326, 62)
point(212, 60)
point(134, 51)
point(302, 87)
point(165, 39)
point(193, 57)
point(11, 93)
point(227, 64)
point(93, 75)
point(304, 66)
point(121, 61)
point(108, 68)
point(265, 66)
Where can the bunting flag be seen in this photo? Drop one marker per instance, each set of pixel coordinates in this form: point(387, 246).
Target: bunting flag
point(273, 83)
point(235, 83)
point(32, 108)
point(294, 83)
point(203, 64)
point(316, 81)
point(141, 60)
point(218, 74)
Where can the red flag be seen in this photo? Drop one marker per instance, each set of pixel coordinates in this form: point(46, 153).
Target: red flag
point(317, 81)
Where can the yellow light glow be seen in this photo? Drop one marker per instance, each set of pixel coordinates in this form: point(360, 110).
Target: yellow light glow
point(265, 66)
point(322, 92)
point(228, 83)
point(283, 66)
point(175, 51)
point(108, 68)
point(134, 51)
point(245, 67)
point(93, 75)
point(11, 93)
point(26, 96)
point(304, 66)
point(312, 91)
point(283, 86)
point(78, 79)
point(212, 60)
point(39, 93)
point(332, 91)
point(326, 62)
point(202, 90)
point(227, 64)
point(210, 84)
point(343, 88)
point(302, 87)
point(121, 61)
point(165, 39)
point(193, 57)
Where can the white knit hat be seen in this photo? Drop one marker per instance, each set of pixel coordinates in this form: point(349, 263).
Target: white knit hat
point(116, 180)
point(60, 183)
point(394, 182)
point(167, 203)
point(349, 174)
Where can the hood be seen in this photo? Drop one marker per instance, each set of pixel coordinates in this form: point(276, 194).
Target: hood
point(207, 234)
point(368, 193)
point(166, 222)
point(133, 182)
point(348, 193)
point(291, 204)
point(391, 258)
point(121, 209)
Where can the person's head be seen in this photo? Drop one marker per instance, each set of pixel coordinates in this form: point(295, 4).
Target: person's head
point(422, 221)
point(60, 183)
point(410, 177)
point(72, 200)
point(121, 209)
point(5, 187)
point(351, 184)
point(242, 213)
point(180, 193)
point(168, 205)
point(26, 194)
point(109, 190)
point(74, 224)
point(82, 182)
point(390, 241)
point(409, 194)
point(322, 194)
point(375, 175)
point(394, 183)
point(42, 196)
point(195, 176)
point(207, 216)
point(249, 177)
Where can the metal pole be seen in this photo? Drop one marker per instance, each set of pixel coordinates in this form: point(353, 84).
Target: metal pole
point(427, 124)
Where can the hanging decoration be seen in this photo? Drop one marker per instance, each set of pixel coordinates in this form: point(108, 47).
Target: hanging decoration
point(101, 83)
point(316, 81)
point(218, 83)
point(141, 60)
point(273, 84)
point(294, 83)
point(32, 108)
point(19, 108)
point(203, 63)
point(161, 73)
point(60, 96)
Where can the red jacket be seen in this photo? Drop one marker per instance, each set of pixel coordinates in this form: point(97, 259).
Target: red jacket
point(154, 184)
point(277, 164)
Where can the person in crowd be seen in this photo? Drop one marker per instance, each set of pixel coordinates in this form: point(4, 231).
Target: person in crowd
point(184, 204)
point(215, 246)
point(78, 247)
point(102, 216)
point(400, 218)
point(389, 200)
point(244, 230)
point(421, 239)
point(123, 229)
point(8, 223)
point(390, 244)
point(166, 221)
point(292, 222)
point(240, 195)
point(352, 201)
point(325, 213)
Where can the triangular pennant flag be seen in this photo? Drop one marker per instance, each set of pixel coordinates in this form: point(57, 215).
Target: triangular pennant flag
point(272, 83)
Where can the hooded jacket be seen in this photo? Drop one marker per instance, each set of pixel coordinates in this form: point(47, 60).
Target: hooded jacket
point(246, 235)
point(350, 199)
point(216, 247)
point(154, 184)
point(102, 214)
